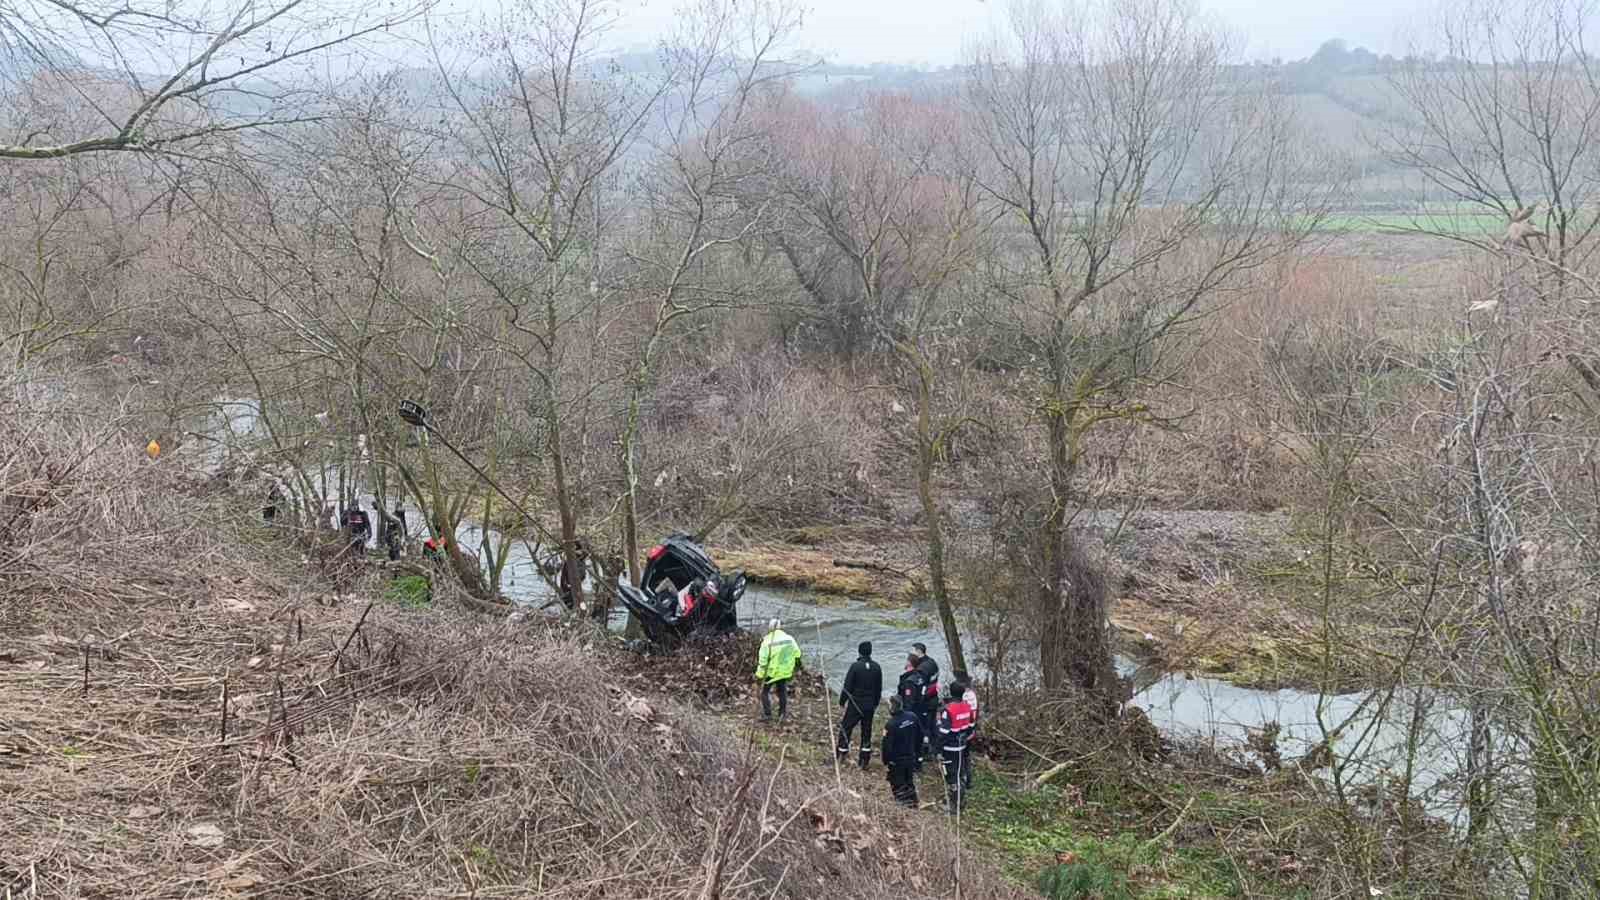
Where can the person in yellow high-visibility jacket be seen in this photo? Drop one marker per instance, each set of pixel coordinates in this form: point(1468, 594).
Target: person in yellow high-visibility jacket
point(775, 666)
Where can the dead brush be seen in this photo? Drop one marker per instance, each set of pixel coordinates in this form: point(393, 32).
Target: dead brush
point(178, 718)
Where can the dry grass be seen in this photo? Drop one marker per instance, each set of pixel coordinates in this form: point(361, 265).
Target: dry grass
point(234, 736)
point(795, 567)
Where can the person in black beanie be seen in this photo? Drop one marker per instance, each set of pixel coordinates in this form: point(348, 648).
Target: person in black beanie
point(928, 709)
point(863, 686)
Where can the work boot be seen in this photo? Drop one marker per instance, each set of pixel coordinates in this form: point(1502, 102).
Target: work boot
point(841, 755)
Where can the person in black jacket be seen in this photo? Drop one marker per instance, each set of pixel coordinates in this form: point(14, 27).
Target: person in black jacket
point(912, 689)
point(863, 685)
point(928, 709)
point(902, 752)
point(358, 528)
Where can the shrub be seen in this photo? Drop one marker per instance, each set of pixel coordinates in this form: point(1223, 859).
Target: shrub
point(410, 590)
point(1082, 879)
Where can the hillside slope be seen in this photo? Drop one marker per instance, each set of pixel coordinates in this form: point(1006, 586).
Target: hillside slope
point(182, 713)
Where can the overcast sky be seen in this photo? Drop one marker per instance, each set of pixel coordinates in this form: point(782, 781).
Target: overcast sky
point(934, 31)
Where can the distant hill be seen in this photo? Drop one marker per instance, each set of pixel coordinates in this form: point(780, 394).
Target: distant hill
point(1342, 98)
point(1341, 95)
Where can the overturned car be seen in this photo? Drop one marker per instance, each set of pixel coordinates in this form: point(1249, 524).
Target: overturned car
point(682, 591)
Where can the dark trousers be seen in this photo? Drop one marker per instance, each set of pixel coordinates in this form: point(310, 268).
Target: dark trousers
point(854, 716)
point(903, 783)
point(925, 716)
point(766, 698)
point(957, 776)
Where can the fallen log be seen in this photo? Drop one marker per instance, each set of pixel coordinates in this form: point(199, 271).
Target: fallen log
point(873, 566)
point(1050, 773)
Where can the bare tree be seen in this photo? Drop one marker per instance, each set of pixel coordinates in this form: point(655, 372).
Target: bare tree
point(881, 203)
point(110, 75)
point(70, 255)
point(703, 196)
point(1139, 174)
point(544, 139)
point(1507, 124)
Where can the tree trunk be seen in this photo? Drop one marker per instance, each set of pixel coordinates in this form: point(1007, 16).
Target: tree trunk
point(1073, 647)
point(630, 519)
point(630, 475)
point(558, 463)
point(1480, 793)
point(1056, 622)
point(926, 458)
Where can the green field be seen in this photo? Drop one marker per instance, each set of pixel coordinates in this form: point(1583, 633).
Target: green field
point(1467, 224)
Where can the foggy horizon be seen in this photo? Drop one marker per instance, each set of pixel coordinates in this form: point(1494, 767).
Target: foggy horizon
point(936, 33)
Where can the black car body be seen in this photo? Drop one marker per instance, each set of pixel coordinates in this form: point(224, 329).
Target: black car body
point(672, 565)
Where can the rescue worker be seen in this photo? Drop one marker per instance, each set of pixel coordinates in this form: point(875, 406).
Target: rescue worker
point(775, 667)
point(902, 757)
point(863, 686)
point(956, 724)
point(913, 693)
point(433, 550)
point(967, 693)
point(358, 527)
point(930, 703)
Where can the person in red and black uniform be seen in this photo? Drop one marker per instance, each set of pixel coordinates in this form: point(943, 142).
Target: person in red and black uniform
point(863, 686)
point(902, 752)
point(957, 721)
